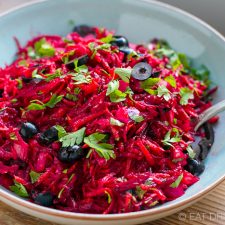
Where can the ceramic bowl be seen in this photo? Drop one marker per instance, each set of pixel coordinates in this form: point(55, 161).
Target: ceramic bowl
point(139, 21)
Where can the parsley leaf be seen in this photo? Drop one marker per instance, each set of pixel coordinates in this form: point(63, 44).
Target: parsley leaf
point(201, 73)
point(149, 83)
point(94, 48)
point(81, 78)
point(71, 97)
point(80, 69)
point(56, 74)
point(116, 122)
point(107, 39)
point(34, 176)
point(124, 73)
point(36, 75)
point(140, 192)
point(61, 131)
point(171, 80)
point(176, 183)
point(43, 48)
point(185, 94)
point(168, 140)
point(117, 96)
point(133, 113)
point(38, 105)
point(191, 152)
point(73, 138)
point(112, 86)
point(19, 189)
point(53, 101)
point(20, 83)
point(103, 149)
point(163, 92)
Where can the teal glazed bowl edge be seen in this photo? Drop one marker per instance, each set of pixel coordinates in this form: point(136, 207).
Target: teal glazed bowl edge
point(139, 21)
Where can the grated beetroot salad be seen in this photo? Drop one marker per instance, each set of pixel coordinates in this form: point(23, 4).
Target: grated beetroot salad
point(93, 124)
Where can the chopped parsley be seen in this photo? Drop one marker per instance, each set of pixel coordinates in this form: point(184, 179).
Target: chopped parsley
point(71, 97)
point(163, 92)
point(57, 73)
point(140, 192)
point(61, 131)
point(70, 139)
point(20, 83)
point(107, 39)
point(103, 149)
point(19, 189)
point(134, 114)
point(94, 48)
point(176, 183)
point(34, 176)
point(149, 83)
point(43, 48)
point(81, 78)
point(115, 94)
point(116, 122)
point(191, 152)
point(185, 94)
point(36, 75)
point(81, 75)
point(171, 80)
point(168, 140)
point(39, 105)
point(124, 73)
point(112, 86)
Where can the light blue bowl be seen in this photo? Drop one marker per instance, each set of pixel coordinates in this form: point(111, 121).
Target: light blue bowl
point(139, 21)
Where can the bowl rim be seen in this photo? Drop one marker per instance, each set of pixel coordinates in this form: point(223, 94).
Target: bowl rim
point(122, 216)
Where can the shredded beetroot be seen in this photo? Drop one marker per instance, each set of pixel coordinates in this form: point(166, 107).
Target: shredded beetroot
point(146, 163)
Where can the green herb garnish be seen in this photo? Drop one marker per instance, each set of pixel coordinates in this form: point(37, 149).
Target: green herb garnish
point(176, 183)
point(134, 114)
point(19, 189)
point(163, 92)
point(104, 150)
point(61, 131)
point(185, 94)
point(124, 73)
point(168, 140)
point(171, 80)
point(70, 139)
point(191, 152)
point(140, 192)
point(39, 105)
point(34, 176)
point(116, 122)
point(112, 86)
point(43, 48)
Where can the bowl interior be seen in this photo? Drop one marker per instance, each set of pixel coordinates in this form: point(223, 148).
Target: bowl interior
point(139, 21)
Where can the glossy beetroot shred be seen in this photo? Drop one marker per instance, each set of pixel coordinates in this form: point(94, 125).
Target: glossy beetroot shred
point(144, 168)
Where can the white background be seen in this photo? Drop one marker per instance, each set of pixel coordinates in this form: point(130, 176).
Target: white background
point(212, 11)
